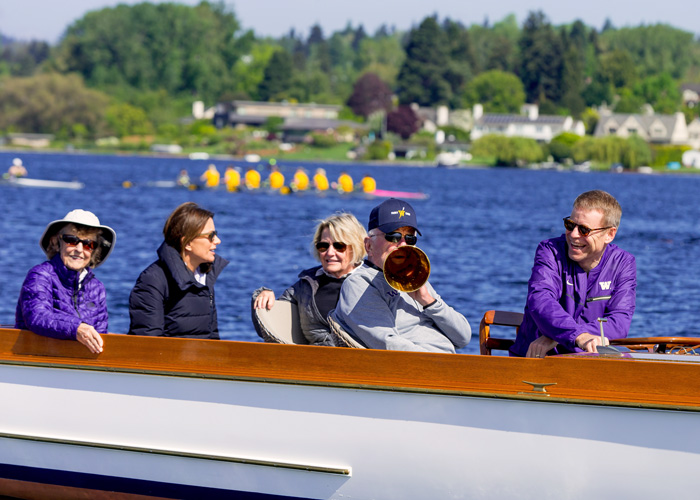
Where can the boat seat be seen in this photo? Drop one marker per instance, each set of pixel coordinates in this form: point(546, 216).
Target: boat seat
point(342, 337)
point(487, 343)
point(280, 324)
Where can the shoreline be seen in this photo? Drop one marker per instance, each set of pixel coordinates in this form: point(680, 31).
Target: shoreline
point(372, 163)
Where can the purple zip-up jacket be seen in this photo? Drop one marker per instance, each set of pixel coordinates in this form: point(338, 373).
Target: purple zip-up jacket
point(563, 301)
point(51, 304)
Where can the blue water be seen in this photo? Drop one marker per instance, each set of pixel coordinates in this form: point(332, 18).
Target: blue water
point(480, 229)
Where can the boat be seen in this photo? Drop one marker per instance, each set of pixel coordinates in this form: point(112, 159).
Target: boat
point(252, 158)
point(186, 418)
point(377, 193)
point(42, 183)
point(198, 155)
point(407, 195)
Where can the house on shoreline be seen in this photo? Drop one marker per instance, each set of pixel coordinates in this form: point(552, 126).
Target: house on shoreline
point(653, 128)
point(298, 119)
point(529, 124)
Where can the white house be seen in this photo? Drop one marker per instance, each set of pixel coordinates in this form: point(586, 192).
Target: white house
point(530, 124)
point(657, 129)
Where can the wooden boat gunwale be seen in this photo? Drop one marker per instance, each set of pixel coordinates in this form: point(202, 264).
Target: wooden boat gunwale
point(619, 382)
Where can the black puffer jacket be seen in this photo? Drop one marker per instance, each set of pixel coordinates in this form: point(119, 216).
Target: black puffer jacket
point(168, 302)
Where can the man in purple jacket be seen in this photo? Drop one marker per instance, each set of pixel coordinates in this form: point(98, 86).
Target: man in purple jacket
point(578, 278)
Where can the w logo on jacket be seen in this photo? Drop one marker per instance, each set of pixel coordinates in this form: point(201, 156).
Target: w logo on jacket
point(604, 285)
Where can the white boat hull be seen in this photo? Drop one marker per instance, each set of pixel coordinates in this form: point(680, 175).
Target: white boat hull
point(197, 437)
point(44, 183)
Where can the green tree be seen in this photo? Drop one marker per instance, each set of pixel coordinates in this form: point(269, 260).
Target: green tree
point(23, 58)
point(572, 82)
point(277, 77)
point(637, 152)
point(249, 70)
point(617, 67)
point(661, 92)
point(653, 49)
point(382, 55)
point(496, 47)
point(560, 147)
point(629, 102)
point(508, 151)
point(540, 59)
point(422, 75)
point(150, 46)
point(462, 59)
point(498, 91)
point(631, 152)
point(124, 119)
point(51, 103)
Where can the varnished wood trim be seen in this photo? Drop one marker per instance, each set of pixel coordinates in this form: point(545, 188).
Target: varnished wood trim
point(578, 378)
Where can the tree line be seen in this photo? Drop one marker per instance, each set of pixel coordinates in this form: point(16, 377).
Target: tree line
point(137, 68)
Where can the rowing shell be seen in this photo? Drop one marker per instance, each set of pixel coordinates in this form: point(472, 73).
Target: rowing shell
point(412, 195)
point(43, 183)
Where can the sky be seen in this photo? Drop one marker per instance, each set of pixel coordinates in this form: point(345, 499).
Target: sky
point(47, 19)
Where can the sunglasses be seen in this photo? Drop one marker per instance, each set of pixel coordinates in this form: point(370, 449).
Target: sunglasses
point(210, 235)
point(395, 237)
point(323, 246)
point(583, 230)
point(72, 241)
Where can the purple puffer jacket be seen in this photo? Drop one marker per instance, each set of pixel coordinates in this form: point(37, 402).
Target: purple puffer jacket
point(51, 304)
point(563, 301)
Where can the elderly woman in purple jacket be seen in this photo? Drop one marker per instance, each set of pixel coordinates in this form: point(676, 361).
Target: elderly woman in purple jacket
point(61, 297)
point(578, 278)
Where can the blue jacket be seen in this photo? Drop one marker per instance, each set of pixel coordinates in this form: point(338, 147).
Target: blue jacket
point(563, 301)
point(51, 303)
point(167, 301)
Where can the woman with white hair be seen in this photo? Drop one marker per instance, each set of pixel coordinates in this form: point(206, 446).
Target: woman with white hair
point(61, 297)
point(338, 244)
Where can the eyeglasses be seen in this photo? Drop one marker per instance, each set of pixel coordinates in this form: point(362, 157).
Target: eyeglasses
point(583, 230)
point(323, 246)
point(72, 241)
point(395, 237)
point(210, 235)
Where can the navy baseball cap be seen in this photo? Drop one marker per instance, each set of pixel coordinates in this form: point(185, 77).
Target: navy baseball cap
point(392, 214)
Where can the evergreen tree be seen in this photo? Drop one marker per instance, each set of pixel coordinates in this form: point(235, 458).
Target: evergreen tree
point(358, 36)
point(422, 75)
point(462, 62)
point(572, 82)
point(277, 77)
point(541, 59)
point(315, 36)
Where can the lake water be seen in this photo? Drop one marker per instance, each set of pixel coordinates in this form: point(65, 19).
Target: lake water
point(480, 229)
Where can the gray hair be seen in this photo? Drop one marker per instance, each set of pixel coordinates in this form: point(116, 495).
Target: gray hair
point(603, 202)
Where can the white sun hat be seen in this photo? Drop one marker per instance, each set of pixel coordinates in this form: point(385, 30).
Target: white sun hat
point(17, 162)
point(84, 218)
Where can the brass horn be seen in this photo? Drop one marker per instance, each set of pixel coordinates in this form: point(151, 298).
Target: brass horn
point(406, 268)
